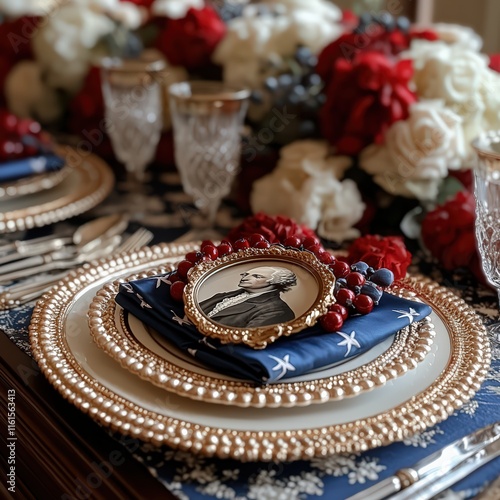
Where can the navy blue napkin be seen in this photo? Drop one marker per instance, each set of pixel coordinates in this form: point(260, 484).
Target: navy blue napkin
point(25, 167)
point(149, 300)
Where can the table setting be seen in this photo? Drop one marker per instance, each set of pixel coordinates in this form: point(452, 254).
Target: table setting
point(267, 259)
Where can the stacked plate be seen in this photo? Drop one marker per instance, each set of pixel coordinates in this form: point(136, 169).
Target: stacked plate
point(42, 199)
point(127, 377)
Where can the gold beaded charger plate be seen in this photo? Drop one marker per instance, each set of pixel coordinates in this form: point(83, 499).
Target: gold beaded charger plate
point(89, 181)
point(33, 184)
point(86, 376)
point(144, 352)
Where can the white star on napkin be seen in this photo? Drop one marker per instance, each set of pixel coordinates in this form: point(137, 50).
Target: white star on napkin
point(144, 304)
point(179, 320)
point(349, 341)
point(160, 280)
point(407, 314)
point(38, 165)
point(282, 364)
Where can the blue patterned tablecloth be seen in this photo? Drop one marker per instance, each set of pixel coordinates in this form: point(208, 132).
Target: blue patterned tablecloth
point(335, 477)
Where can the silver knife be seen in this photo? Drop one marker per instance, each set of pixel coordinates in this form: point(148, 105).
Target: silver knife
point(435, 465)
point(433, 484)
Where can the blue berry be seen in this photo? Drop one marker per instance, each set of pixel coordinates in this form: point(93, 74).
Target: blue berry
point(382, 277)
point(373, 291)
point(360, 267)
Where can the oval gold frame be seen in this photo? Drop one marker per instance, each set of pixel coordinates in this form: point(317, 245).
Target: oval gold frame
point(259, 337)
point(410, 346)
point(462, 377)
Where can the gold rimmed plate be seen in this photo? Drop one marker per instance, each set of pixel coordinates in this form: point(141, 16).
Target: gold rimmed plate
point(88, 182)
point(448, 377)
point(33, 184)
point(147, 354)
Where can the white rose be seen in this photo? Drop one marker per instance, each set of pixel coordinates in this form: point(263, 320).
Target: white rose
point(341, 211)
point(28, 96)
point(418, 151)
point(304, 185)
point(450, 73)
point(175, 9)
point(322, 8)
point(455, 34)
point(19, 8)
point(63, 45)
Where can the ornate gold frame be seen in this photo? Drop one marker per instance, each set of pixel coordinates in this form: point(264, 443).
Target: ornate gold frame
point(259, 337)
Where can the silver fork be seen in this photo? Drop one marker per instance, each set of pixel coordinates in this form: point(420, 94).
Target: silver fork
point(22, 293)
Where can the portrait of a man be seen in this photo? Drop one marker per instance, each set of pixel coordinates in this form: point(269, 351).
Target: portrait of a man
point(256, 302)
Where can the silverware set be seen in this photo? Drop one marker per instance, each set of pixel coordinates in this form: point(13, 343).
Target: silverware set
point(30, 258)
point(440, 470)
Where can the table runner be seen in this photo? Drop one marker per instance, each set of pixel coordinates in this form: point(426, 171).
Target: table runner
point(338, 476)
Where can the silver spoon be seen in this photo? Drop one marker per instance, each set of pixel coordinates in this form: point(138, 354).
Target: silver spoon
point(84, 238)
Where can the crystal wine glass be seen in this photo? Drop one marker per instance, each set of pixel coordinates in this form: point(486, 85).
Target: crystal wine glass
point(133, 111)
point(207, 118)
point(487, 191)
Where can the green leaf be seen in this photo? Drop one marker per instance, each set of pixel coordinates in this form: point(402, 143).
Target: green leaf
point(448, 189)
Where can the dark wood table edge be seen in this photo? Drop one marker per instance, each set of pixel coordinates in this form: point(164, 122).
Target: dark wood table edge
point(59, 451)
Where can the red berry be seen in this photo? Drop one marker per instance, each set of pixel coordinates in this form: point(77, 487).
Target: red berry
point(345, 296)
point(204, 243)
point(262, 244)
point(340, 268)
point(326, 257)
point(292, 241)
point(255, 238)
point(23, 126)
point(310, 241)
point(331, 321)
point(194, 257)
point(173, 277)
point(363, 304)
point(8, 122)
point(241, 244)
point(340, 309)
point(225, 248)
point(315, 249)
point(34, 128)
point(355, 279)
point(176, 290)
point(211, 252)
point(183, 268)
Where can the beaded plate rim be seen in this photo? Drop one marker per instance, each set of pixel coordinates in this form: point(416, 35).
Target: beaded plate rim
point(466, 369)
point(98, 181)
point(410, 346)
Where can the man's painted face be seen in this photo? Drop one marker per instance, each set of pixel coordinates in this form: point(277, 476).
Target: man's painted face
point(256, 279)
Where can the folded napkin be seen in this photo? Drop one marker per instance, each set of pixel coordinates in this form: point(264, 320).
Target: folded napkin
point(18, 169)
point(149, 300)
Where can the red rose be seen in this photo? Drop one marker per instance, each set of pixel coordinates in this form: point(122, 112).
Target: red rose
point(378, 251)
point(276, 229)
point(495, 62)
point(375, 39)
point(363, 98)
point(190, 41)
point(448, 232)
point(16, 37)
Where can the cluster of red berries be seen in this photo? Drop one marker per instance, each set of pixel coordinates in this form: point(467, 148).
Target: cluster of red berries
point(358, 287)
point(21, 137)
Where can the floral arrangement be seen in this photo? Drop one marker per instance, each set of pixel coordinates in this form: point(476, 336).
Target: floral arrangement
point(354, 121)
